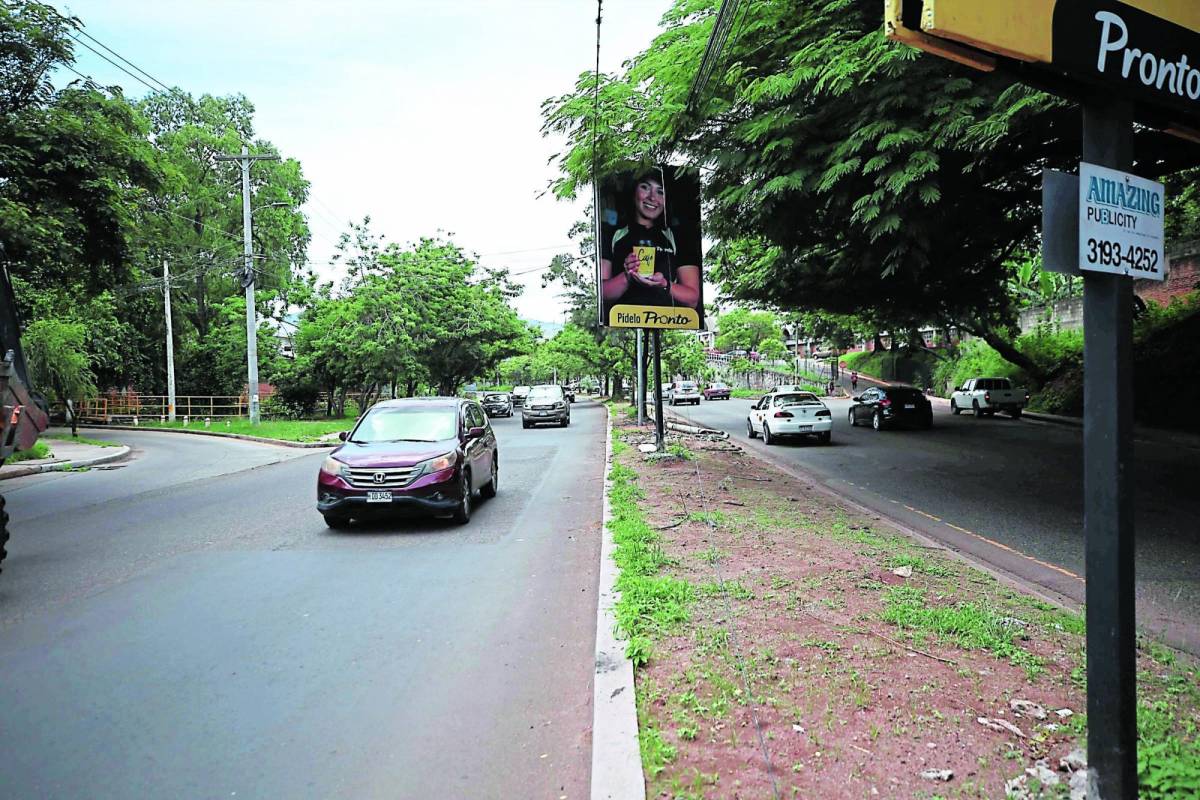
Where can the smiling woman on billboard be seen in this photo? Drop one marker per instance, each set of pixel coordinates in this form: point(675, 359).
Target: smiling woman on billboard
point(650, 254)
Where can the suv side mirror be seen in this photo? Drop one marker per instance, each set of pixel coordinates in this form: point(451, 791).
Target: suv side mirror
point(343, 435)
point(476, 432)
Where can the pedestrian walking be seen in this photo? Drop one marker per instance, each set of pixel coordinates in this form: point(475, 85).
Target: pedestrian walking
point(854, 381)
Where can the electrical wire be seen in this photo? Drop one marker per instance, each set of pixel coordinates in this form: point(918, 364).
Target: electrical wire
point(136, 77)
point(597, 233)
point(82, 32)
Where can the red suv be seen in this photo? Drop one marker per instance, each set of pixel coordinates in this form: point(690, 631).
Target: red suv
point(427, 453)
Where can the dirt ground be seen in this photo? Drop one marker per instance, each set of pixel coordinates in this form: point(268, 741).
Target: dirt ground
point(826, 656)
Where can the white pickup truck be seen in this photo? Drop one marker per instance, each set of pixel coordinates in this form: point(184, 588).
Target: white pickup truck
point(987, 396)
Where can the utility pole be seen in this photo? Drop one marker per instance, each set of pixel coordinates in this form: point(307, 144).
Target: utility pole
point(170, 343)
point(640, 389)
point(245, 160)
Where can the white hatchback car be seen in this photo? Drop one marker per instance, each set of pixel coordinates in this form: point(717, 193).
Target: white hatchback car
point(789, 414)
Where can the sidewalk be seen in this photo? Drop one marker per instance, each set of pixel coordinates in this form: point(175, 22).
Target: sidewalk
point(65, 455)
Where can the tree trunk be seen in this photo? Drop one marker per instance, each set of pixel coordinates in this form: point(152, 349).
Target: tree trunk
point(74, 419)
point(617, 393)
point(1010, 354)
point(878, 342)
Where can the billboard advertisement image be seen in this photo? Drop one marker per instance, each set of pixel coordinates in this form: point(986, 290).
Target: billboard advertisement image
point(650, 271)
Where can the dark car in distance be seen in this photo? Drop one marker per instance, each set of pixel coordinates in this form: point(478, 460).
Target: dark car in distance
point(497, 404)
point(425, 453)
point(716, 391)
point(892, 406)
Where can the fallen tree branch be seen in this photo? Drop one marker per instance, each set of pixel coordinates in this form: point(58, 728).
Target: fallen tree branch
point(913, 649)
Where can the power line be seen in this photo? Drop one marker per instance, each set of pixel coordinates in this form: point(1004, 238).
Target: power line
point(712, 50)
point(136, 77)
point(82, 32)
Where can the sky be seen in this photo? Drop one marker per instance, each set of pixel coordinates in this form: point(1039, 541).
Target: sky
point(423, 114)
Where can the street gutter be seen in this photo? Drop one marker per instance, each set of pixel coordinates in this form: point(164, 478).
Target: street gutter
point(242, 436)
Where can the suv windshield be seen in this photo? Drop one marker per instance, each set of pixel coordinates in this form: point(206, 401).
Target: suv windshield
point(903, 395)
point(407, 424)
point(497, 397)
point(687, 386)
point(545, 393)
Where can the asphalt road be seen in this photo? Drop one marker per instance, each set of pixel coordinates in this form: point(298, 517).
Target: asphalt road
point(1010, 494)
point(186, 626)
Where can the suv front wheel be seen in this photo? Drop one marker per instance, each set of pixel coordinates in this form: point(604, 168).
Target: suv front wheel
point(462, 514)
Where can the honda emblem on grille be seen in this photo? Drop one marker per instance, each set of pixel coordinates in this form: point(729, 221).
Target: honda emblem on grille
point(379, 477)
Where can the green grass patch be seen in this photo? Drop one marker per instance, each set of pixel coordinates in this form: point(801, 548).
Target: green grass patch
point(39, 450)
point(290, 430)
point(650, 602)
point(919, 564)
point(66, 437)
point(679, 451)
point(1168, 755)
point(968, 625)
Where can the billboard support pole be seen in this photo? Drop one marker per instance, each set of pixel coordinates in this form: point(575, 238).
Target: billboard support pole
point(640, 389)
point(1107, 483)
point(659, 435)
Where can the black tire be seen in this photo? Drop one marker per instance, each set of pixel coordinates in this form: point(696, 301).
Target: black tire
point(336, 521)
point(877, 421)
point(490, 488)
point(927, 423)
point(976, 409)
point(954, 409)
point(1015, 413)
point(462, 514)
point(566, 423)
point(524, 424)
point(825, 438)
point(3, 529)
point(850, 418)
point(750, 429)
point(768, 439)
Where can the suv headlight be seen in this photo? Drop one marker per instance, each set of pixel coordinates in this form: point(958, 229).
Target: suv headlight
point(331, 466)
point(438, 464)
point(560, 404)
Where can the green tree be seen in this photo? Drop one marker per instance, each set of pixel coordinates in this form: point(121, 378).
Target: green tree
point(58, 362)
point(844, 172)
point(742, 329)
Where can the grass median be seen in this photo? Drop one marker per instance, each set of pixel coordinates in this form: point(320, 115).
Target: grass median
point(788, 646)
point(290, 430)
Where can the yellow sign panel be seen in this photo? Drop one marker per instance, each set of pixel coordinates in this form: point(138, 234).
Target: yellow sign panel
point(628, 316)
point(1145, 50)
point(1024, 29)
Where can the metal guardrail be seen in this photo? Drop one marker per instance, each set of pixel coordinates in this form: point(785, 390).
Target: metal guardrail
point(107, 409)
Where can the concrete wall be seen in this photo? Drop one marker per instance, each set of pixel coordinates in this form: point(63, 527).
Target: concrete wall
point(1067, 314)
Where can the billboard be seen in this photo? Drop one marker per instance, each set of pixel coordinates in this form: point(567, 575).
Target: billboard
point(649, 273)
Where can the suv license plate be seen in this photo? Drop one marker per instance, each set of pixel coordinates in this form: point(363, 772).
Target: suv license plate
point(909, 406)
point(803, 428)
point(379, 497)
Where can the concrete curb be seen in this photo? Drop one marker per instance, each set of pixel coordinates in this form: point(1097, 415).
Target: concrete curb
point(242, 436)
point(616, 754)
point(60, 466)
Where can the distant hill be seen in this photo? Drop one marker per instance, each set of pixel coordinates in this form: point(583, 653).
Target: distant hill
point(549, 329)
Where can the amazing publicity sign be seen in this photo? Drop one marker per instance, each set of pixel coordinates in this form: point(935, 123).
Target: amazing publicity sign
point(649, 265)
point(1145, 50)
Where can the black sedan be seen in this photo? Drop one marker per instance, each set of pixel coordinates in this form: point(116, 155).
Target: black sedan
point(497, 404)
point(891, 406)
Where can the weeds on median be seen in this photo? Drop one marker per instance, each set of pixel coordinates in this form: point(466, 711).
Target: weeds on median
point(650, 602)
point(970, 626)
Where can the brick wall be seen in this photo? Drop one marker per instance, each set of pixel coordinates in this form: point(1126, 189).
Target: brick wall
point(1183, 277)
